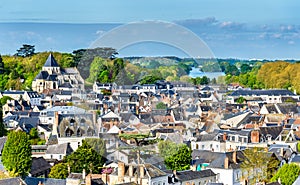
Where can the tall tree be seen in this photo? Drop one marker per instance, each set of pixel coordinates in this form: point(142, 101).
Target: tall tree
point(1, 66)
point(16, 154)
point(26, 50)
point(287, 174)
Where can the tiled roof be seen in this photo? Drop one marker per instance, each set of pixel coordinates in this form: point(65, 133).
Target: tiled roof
point(12, 181)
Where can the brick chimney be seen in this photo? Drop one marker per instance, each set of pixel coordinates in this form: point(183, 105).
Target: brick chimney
point(88, 180)
point(121, 171)
point(255, 136)
point(225, 136)
point(281, 152)
point(226, 162)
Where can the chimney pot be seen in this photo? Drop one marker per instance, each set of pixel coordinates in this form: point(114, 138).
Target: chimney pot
point(226, 162)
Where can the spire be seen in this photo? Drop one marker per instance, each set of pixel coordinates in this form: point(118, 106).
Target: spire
point(51, 62)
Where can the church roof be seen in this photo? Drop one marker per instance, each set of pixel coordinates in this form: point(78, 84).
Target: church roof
point(51, 62)
point(42, 75)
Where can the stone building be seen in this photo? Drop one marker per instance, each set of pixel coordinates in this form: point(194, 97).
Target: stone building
point(52, 76)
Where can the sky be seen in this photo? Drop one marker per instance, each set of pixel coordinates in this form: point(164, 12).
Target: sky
point(232, 28)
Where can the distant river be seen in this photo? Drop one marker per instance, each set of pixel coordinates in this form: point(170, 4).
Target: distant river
point(195, 72)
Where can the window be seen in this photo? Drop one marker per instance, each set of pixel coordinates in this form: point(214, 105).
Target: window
point(112, 158)
point(60, 157)
point(51, 156)
point(202, 147)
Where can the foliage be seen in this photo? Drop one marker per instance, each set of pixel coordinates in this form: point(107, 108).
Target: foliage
point(4, 99)
point(288, 173)
point(25, 51)
point(176, 156)
point(200, 80)
point(259, 164)
point(161, 105)
point(240, 100)
point(34, 138)
point(150, 79)
point(20, 71)
point(97, 144)
point(16, 154)
point(59, 171)
point(85, 157)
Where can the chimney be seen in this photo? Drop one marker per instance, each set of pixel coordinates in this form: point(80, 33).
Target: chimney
point(104, 178)
point(281, 152)
point(255, 136)
point(142, 172)
point(224, 136)
point(234, 158)
point(83, 174)
point(88, 180)
point(130, 170)
point(121, 171)
point(226, 162)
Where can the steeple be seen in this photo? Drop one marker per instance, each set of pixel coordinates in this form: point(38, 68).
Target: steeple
point(51, 62)
point(51, 65)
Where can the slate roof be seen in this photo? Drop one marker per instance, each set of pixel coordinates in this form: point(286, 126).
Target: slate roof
point(287, 108)
point(39, 165)
point(242, 92)
point(274, 131)
point(51, 62)
point(45, 181)
point(216, 159)
point(191, 175)
point(12, 181)
point(58, 149)
point(42, 75)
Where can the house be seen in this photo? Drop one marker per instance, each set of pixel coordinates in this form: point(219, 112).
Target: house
point(98, 87)
point(53, 76)
point(58, 151)
point(227, 165)
point(268, 96)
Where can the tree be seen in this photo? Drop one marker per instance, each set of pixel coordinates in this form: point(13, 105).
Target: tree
point(245, 68)
point(259, 164)
point(288, 173)
point(176, 156)
point(25, 51)
point(16, 154)
point(150, 79)
point(161, 105)
point(240, 100)
point(59, 171)
point(85, 157)
point(181, 160)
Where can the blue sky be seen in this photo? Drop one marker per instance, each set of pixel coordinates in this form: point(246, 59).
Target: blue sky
point(124, 11)
point(231, 28)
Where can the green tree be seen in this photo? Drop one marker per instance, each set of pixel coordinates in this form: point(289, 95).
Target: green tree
point(26, 50)
point(85, 157)
point(161, 105)
point(59, 171)
point(176, 156)
point(150, 79)
point(97, 144)
point(240, 100)
point(180, 160)
point(245, 68)
point(288, 173)
point(16, 154)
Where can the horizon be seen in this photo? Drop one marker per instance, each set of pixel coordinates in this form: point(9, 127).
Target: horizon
point(262, 30)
